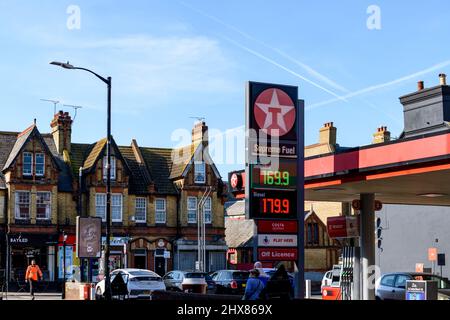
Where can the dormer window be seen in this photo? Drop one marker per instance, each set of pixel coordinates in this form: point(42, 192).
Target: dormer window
point(27, 164)
point(37, 164)
point(113, 167)
point(40, 164)
point(199, 172)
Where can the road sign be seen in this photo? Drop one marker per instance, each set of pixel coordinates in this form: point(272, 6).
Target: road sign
point(271, 226)
point(277, 254)
point(343, 227)
point(441, 259)
point(432, 254)
point(277, 240)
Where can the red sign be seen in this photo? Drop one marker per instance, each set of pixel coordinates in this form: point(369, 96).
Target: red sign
point(277, 254)
point(343, 226)
point(274, 112)
point(266, 226)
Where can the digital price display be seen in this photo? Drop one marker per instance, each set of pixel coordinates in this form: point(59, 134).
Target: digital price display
point(273, 204)
point(279, 176)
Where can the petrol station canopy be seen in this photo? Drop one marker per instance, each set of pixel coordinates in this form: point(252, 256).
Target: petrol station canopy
point(414, 170)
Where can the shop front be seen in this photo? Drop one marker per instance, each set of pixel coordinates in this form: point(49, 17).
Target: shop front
point(155, 255)
point(23, 248)
point(72, 262)
point(117, 257)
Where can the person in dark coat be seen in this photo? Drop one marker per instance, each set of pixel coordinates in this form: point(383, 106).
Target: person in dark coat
point(279, 285)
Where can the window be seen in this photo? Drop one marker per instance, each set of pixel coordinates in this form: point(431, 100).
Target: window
point(192, 209)
point(113, 167)
point(313, 233)
point(40, 164)
point(100, 206)
point(400, 282)
point(199, 172)
point(207, 210)
point(22, 205)
point(43, 205)
point(141, 210)
point(388, 280)
point(27, 164)
point(160, 211)
point(116, 207)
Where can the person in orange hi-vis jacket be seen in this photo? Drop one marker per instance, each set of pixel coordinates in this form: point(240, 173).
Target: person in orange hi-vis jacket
point(32, 276)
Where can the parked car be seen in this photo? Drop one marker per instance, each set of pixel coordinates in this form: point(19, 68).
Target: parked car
point(140, 283)
point(326, 280)
point(230, 281)
point(174, 280)
point(392, 286)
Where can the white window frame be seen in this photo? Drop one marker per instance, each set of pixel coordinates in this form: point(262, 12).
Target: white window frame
point(207, 212)
point(114, 196)
point(160, 212)
point(36, 164)
point(113, 167)
point(27, 174)
point(47, 204)
point(192, 209)
point(139, 204)
point(17, 203)
point(199, 173)
point(100, 204)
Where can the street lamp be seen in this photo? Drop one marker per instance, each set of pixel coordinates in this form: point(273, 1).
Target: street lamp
point(108, 81)
point(64, 265)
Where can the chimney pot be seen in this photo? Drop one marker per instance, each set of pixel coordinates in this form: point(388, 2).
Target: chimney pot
point(443, 79)
point(420, 85)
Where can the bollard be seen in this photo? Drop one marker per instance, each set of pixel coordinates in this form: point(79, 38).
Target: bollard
point(307, 289)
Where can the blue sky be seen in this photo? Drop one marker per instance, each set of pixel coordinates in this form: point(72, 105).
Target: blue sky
point(171, 60)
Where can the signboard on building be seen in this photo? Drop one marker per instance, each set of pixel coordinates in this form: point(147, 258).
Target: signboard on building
point(277, 240)
point(277, 226)
point(343, 227)
point(277, 254)
point(89, 234)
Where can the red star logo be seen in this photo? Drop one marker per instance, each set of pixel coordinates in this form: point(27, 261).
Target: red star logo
point(274, 112)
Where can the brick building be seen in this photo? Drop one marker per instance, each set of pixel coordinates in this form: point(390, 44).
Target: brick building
point(46, 180)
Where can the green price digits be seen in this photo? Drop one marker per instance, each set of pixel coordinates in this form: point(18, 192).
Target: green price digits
point(275, 178)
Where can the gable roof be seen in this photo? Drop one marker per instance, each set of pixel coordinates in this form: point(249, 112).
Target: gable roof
point(20, 143)
point(184, 157)
point(98, 150)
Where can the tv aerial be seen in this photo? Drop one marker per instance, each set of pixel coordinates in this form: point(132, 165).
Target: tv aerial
point(199, 119)
point(75, 108)
point(55, 102)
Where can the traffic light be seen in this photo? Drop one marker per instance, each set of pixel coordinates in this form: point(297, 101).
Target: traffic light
point(379, 231)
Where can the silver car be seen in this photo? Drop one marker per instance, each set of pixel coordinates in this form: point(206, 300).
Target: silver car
point(392, 286)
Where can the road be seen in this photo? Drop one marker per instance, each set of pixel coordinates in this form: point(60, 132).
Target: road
point(26, 296)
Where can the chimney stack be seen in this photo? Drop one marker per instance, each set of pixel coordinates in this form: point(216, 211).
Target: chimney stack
point(443, 79)
point(200, 133)
point(420, 86)
point(382, 135)
point(62, 131)
point(327, 134)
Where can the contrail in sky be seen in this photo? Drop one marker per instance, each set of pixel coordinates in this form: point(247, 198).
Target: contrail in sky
point(383, 85)
point(281, 53)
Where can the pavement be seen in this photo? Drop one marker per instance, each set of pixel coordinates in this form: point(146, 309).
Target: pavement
point(26, 296)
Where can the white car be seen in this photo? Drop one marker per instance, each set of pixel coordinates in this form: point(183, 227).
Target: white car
point(140, 283)
point(326, 280)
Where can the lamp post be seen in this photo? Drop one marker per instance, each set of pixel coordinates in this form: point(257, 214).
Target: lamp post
point(64, 265)
point(107, 81)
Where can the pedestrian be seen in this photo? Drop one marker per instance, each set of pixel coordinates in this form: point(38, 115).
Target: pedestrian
point(262, 275)
point(32, 276)
point(254, 286)
point(279, 286)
